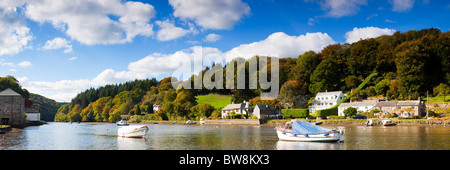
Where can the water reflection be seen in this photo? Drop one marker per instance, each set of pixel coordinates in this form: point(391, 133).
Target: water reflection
point(287, 145)
point(131, 144)
point(103, 136)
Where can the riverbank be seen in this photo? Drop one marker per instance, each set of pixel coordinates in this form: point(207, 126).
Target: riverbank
point(356, 122)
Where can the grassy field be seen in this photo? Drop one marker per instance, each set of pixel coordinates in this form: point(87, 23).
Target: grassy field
point(439, 99)
point(217, 101)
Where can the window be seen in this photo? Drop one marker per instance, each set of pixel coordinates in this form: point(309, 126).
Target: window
point(399, 108)
point(412, 107)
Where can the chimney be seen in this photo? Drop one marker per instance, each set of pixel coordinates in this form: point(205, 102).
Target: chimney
point(419, 99)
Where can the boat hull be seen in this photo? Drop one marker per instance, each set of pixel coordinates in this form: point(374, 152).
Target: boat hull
point(332, 137)
point(132, 131)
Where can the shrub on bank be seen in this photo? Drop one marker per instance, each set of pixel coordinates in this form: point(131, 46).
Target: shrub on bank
point(295, 113)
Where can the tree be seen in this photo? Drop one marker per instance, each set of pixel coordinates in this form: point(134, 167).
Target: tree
point(325, 77)
point(352, 81)
point(292, 92)
point(305, 66)
point(441, 90)
point(351, 111)
point(137, 110)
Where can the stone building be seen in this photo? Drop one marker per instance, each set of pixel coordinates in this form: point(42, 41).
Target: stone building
point(12, 108)
point(263, 111)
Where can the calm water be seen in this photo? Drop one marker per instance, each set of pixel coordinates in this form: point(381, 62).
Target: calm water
point(65, 136)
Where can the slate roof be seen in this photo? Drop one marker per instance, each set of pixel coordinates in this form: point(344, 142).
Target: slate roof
point(364, 103)
point(9, 92)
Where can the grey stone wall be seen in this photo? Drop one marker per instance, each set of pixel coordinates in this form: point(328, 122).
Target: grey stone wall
point(12, 108)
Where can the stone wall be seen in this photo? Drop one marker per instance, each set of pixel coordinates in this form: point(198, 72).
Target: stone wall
point(13, 109)
point(232, 122)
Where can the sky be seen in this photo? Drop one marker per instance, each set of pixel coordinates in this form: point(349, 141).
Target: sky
point(60, 48)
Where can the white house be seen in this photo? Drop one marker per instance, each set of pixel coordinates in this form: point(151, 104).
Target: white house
point(156, 107)
point(32, 114)
point(363, 106)
point(242, 108)
point(325, 100)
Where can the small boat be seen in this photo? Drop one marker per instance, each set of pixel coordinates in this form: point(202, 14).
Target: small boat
point(202, 121)
point(369, 122)
point(189, 122)
point(303, 131)
point(122, 123)
point(132, 131)
point(318, 123)
point(387, 123)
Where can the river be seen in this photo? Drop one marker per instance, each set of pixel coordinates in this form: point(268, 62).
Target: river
point(103, 136)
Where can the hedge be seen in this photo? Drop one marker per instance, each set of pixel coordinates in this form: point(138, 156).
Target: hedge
point(327, 112)
point(295, 113)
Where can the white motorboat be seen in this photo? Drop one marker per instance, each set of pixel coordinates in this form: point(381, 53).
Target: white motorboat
point(369, 122)
point(122, 123)
point(387, 123)
point(303, 131)
point(132, 131)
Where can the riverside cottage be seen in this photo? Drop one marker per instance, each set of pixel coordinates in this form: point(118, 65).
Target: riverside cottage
point(242, 108)
point(325, 100)
point(363, 106)
point(12, 108)
point(263, 111)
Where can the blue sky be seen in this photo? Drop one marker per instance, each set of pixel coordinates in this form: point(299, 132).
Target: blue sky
point(60, 48)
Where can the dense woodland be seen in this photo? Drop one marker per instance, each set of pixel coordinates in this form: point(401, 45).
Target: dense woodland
point(408, 65)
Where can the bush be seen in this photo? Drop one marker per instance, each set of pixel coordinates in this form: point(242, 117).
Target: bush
point(327, 112)
point(336, 117)
point(351, 111)
point(295, 113)
point(237, 116)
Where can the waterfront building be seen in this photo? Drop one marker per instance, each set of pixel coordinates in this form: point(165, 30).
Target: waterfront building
point(363, 106)
point(156, 107)
point(12, 108)
point(402, 108)
point(242, 108)
point(325, 100)
point(263, 111)
point(32, 115)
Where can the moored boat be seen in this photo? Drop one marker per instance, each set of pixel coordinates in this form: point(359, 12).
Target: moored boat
point(132, 131)
point(122, 123)
point(303, 131)
point(387, 123)
point(369, 122)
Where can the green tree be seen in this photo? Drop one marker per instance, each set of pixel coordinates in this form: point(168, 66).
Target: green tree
point(441, 90)
point(325, 77)
point(137, 110)
point(349, 112)
point(291, 92)
point(352, 81)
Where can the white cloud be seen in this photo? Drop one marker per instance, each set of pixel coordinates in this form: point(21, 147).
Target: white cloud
point(212, 38)
point(58, 43)
point(157, 64)
point(211, 14)
point(340, 8)
point(14, 34)
point(169, 31)
point(283, 45)
point(95, 22)
point(24, 64)
point(365, 33)
point(72, 58)
point(402, 5)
